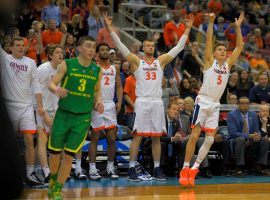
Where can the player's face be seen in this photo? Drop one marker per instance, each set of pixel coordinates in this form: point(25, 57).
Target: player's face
point(173, 111)
point(18, 49)
point(87, 49)
point(264, 111)
point(149, 47)
point(220, 53)
point(103, 52)
point(58, 56)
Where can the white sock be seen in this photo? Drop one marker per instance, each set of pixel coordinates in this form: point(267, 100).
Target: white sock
point(78, 165)
point(29, 169)
point(92, 166)
point(46, 170)
point(109, 165)
point(156, 164)
point(203, 151)
point(186, 164)
point(132, 163)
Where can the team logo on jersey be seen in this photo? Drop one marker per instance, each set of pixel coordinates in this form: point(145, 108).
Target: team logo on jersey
point(17, 67)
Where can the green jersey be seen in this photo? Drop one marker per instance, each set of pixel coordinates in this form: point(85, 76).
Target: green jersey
point(81, 82)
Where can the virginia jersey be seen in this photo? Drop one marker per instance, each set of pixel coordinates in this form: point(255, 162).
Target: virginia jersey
point(215, 80)
point(108, 83)
point(149, 79)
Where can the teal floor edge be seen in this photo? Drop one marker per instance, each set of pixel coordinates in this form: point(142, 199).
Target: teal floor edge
point(124, 182)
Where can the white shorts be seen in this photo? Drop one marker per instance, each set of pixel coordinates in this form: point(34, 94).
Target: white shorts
point(22, 117)
point(150, 117)
point(41, 123)
point(106, 120)
point(206, 113)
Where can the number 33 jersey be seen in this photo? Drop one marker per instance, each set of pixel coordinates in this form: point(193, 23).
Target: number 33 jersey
point(215, 80)
point(149, 79)
point(108, 83)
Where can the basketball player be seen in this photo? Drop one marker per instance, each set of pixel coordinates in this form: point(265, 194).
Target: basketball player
point(79, 93)
point(106, 121)
point(206, 110)
point(18, 83)
point(150, 118)
point(45, 73)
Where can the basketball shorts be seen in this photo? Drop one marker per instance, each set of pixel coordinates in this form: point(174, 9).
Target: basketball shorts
point(106, 120)
point(22, 117)
point(69, 131)
point(41, 123)
point(205, 114)
point(150, 117)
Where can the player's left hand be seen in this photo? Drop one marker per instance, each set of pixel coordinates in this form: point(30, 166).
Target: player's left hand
point(189, 21)
point(118, 107)
point(99, 107)
point(240, 19)
point(48, 120)
point(40, 111)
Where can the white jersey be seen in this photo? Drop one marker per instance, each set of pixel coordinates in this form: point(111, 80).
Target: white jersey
point(18, 78)
point(149, 79)
point(215, 80)
point(108, 83)
point(45, 73)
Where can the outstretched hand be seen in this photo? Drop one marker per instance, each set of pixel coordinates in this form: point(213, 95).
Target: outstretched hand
point(107, 19)
point(211, 16)
point(240, 19)
point(189, 21)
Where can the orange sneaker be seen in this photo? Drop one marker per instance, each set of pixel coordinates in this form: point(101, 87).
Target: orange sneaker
point(184, 179)
point(191, 176)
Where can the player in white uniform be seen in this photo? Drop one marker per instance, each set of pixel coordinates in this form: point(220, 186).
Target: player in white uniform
point(18, 83)
point(107, 121)
point(150, 117)
point(206, 113)
point(45, 72)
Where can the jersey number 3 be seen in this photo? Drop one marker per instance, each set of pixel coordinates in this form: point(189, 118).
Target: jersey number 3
point(219, 80)
point(151, 76)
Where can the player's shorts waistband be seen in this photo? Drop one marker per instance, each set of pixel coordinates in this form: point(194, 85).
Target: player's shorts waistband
point(107, 101)
point(149, 98)
point(207, 98)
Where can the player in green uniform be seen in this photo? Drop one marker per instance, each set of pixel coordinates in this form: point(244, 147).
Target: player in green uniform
point(79, 93)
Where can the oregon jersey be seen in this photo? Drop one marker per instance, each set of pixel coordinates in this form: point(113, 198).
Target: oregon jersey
point(80, 81)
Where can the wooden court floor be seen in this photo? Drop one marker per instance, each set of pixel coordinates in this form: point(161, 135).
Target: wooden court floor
point(251, 191)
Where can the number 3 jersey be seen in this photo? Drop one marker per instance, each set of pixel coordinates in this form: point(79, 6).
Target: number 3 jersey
point(149, 79)
point(80, 82)
point(215, 80)
point(108, 83)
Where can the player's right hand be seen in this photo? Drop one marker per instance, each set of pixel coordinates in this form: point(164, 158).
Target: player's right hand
point(211, 16)
point(61, 92)
point(48, 120)
point(107, 19)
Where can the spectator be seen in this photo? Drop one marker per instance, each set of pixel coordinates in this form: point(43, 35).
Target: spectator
point(188, 107)
point(51, 11)
point(64, 11)
point(245, 134)
point(51, 35)
point(221, 27)
point(33, 45)
point(251, 44)
point(125, 68)
point(75, 26)
point(243, 62)
point(232, 99)
point(214, 6)
point(244, 84)
point(104, 36)
point(264, 121)
point(25, 20)
point(83, 10)
point(230, 88)
point(68, 46)
point(95, 22)
point(260, 94)
point(112, 56)
point(185, 89)
point(258, 62)
point(259, 38)
point(167, 92)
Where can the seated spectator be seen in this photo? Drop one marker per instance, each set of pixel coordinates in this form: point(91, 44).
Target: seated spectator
point(51, 35)
point(264, 120)
point(168, 91)
point(244, 84)
point(51, 11)
point(245, 134)
point(257, 61)
point(243, 62)
point(186, 90)
point(251, 45)
point(188, 107)
point(260, 94)
point(232, 99)
point(230, 88)
point(259, 38)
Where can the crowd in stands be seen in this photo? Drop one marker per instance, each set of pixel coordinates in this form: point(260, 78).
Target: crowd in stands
point(62, 22)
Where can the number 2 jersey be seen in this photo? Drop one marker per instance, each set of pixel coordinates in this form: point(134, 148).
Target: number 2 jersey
point(149, 79)
point(108, 83)
point(215, 80)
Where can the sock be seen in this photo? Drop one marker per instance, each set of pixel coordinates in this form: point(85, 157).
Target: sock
point(29, 169)
point(53, 179)
point(156, 164)
point(78, 165)
point(92, 166)
point(186, 164)
point(46, 170)
point(57, 187)
point(132, 163)
point(203, 151)
point(110, 165)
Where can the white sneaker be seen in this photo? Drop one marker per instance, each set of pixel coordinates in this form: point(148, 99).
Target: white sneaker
point(112, 173)
point(94, 175)
point(80, 175)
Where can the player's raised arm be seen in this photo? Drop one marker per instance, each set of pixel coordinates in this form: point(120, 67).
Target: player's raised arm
point(133, 60)
point(168, 57)
point(239, 41)
point(208, 56)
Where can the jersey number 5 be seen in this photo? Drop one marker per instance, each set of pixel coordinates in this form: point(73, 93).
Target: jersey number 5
point(219, 80)
point(151, 76)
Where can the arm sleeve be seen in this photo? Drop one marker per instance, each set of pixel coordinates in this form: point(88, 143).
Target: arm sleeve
point(179, 47)
point(121, 47)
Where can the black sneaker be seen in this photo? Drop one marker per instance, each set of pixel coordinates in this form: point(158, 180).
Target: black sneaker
point(33, 180)
point(80, 175)
point(158, 175)
point(142, 173)
point(132, 175)
point(112, 173)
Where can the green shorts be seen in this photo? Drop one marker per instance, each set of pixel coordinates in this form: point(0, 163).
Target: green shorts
point(69, 131)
